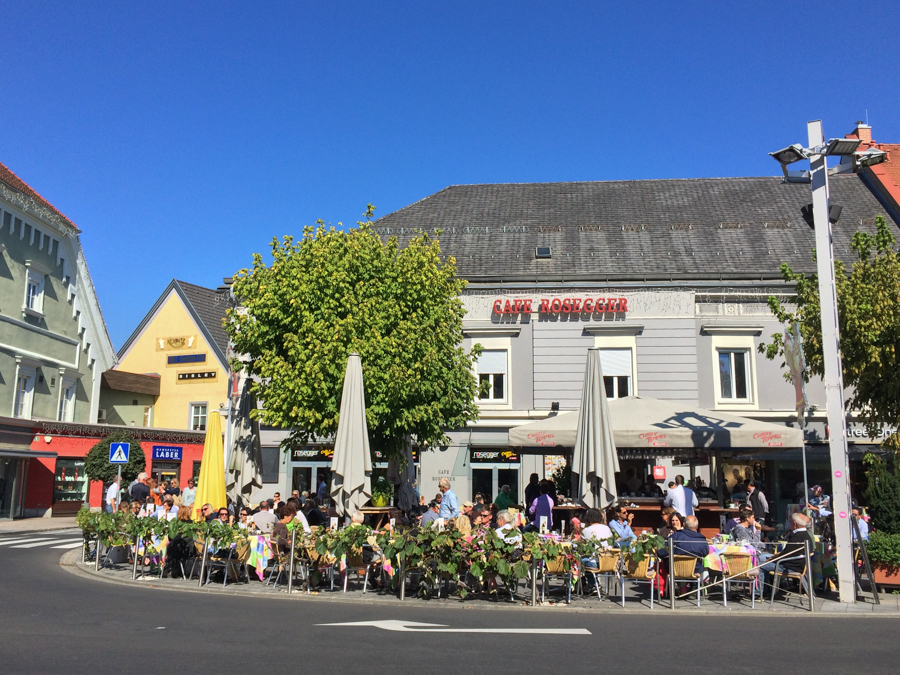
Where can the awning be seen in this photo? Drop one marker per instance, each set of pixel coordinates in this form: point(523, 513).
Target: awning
point(662, 426)
point(25, 454)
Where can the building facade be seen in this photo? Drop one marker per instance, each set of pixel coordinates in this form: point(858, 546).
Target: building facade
point(54, 345)
point(670, 279)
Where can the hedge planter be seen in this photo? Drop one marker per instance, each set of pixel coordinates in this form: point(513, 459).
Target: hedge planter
point(886, 575)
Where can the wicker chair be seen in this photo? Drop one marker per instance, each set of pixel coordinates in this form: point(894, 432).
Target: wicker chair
point(356, 565)
point(643, 572)
point(607, 567)
point(322, 562)
point(800, 577)
point(557, 568)
point(683, 572)
point(739, 569)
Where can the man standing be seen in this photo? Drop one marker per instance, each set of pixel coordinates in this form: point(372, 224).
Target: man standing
point(680, 498)
point(532, 490)
point(449, 504)
point(112, 496)
point(189, 493)
point(141, 490)
point(503, 502)
point(322, 489)
point(757, 501)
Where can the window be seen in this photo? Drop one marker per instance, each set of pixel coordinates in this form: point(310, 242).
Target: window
point(148, 415)
point(24, 392)
point(270, 460)
point(34, 292)
point(66, 401)
point(198, 417)
point(492, 370)
point(734, 374)
point(616, 366)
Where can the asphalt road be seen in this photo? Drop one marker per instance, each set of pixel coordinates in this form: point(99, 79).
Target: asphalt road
point(55, 622)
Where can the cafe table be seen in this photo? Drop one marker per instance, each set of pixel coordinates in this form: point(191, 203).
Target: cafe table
point(379, 514)
point(260, 553)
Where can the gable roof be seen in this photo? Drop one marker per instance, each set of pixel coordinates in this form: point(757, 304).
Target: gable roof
point(16, 183)
point(207, 309)
point(685, 229)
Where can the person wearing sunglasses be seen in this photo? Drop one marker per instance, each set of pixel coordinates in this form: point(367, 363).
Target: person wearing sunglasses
point(621, 525)
point(207, 513)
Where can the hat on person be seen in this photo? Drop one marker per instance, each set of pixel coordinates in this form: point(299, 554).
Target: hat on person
point(468, 504)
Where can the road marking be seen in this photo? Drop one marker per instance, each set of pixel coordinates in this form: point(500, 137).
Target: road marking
point(75, 545)
point(44, 542)
point(20, 541)
point(417, 627)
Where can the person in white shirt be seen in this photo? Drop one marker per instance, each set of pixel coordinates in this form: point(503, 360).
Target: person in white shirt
point(596, 527)
point(300, 517)
point(112, 497)
point(263, 519)
point(677, 498)
point(506, 531)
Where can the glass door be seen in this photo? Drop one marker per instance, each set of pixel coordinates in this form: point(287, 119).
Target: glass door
point(483, 482)
point(166, 471)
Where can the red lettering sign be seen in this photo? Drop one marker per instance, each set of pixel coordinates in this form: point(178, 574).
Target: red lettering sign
point(582, 306)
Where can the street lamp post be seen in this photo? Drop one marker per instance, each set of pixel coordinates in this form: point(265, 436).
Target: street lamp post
point(817, 153)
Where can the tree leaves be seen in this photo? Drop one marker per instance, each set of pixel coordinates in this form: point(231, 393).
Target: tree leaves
point(333, 293)
point(869, 318)
point(97, 466)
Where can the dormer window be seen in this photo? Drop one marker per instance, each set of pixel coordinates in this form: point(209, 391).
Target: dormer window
point(543, 253)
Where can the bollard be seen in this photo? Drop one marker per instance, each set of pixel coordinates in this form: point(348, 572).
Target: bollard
point(97, 553)
point(137, 550)
point(533, 582)
point(402, 579)
point(671, 574)
point(809, 576)
point(203, 562)
point(291, 563)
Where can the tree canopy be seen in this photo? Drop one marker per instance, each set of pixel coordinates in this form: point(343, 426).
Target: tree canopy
point(336, 292)
point(869, 321)
point(97, 466)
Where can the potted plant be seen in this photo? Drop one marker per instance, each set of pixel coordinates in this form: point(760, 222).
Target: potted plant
point(883, 496)
point(382, 492)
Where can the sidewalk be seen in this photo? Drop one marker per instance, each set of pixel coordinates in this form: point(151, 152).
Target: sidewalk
point(27, 525)
point(889, 607)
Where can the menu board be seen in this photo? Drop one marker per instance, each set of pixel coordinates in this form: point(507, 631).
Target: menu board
point(70, 483)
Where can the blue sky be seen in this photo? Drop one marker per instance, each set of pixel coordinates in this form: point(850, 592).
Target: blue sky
point(182, 137)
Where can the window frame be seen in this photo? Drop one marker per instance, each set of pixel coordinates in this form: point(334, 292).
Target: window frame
point(195, 404)
point(66, 384)
point(603, 342)
point(732, 344)
point(24, 371)
point(491, 345)
point(35, 275)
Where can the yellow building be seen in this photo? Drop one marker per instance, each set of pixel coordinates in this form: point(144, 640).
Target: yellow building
point(182, 341)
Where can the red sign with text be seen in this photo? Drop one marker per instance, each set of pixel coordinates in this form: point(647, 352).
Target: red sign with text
point(562, 306)
point(659, 473)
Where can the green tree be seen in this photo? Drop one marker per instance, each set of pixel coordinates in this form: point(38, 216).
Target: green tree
point(882, 494)
point(97, 466)
point(333, 293)
point(869, 319)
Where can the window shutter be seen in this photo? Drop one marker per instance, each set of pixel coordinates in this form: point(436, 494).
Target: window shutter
point(615, 362)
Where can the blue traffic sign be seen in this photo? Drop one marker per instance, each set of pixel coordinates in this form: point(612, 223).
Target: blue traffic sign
point(118, 453)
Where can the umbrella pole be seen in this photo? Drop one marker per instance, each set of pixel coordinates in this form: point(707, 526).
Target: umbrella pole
point(203, 561)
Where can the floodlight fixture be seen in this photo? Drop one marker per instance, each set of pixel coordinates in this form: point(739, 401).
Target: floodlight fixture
point(841, 146)
point(869, 157)
point(790, 154)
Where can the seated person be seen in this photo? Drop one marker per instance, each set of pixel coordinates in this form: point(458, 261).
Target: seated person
point(792, 558)
point(687, 541)
point(314, 515)
point(596, 530)
point(506, 530)
point(621, 525)
point(749, 532)
point(503, 500)
point(863, 525)
point(431, 514)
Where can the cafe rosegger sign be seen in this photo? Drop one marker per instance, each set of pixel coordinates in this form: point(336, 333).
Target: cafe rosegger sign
point(562, 306)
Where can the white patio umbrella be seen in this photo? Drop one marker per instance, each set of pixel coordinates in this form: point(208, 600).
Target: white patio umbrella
point(594, 460)
point(245, 464)
point(351, 466)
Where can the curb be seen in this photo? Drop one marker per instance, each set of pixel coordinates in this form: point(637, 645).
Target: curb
point(24, 533)
point(70, 562)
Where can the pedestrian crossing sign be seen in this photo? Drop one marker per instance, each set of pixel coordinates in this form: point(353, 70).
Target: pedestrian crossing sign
point(118, 453)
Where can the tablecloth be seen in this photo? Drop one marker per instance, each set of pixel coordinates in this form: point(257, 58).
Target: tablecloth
point(260, 553)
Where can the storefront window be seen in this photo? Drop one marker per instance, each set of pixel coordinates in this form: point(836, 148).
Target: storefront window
point(70, 483)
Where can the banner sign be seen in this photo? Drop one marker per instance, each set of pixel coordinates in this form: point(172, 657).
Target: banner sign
point(167, 452)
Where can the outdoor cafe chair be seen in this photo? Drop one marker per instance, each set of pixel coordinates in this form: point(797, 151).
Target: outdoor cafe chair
point(683, 572)
point(800, 577)
point(739, 570)
point(643, 572)
point(319, 563)
point(556, 567)
point(607, 568)
point(357, 566)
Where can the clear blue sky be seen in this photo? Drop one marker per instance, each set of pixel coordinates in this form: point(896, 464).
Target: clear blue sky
point(183, 136)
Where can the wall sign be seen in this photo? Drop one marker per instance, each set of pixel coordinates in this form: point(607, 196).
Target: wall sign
point(197, 376)
point(165, 344)
point(311, 453)
point(185, 358)
point(167, 452)
point(587, 306)
point(493, 456)
point(379, 457)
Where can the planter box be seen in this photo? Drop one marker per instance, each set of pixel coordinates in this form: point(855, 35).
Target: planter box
point(884, 575)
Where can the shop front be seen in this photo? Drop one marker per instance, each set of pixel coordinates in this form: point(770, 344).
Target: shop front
point(308, 462)
point(492, 469)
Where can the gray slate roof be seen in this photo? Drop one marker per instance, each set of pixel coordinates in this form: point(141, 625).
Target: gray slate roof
point(705, 228)
point(210, 306)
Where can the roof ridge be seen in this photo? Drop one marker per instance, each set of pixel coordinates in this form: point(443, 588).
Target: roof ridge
point(31, 192)
point(593, 182)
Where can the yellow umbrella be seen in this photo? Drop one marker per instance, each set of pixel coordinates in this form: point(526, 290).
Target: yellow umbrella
point(211, 489)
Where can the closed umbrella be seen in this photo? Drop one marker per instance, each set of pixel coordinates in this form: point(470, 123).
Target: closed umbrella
point(351, 465)
point(211, 489)
point(594, 460)
point(245, 464)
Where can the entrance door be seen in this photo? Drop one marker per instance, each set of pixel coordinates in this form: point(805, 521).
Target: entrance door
point(166, 471)
point(11, 481)
point(483, 482)
point(507, 476)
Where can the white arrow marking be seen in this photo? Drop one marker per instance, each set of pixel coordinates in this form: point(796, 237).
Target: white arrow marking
point(415, 626)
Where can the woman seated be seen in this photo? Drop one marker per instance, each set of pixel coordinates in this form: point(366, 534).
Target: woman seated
point(280, 533)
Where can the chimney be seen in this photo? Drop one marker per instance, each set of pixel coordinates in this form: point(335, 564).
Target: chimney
point(863, 132)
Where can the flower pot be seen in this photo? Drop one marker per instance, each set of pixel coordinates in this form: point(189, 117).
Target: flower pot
point(885, 575)
point(379, 500)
